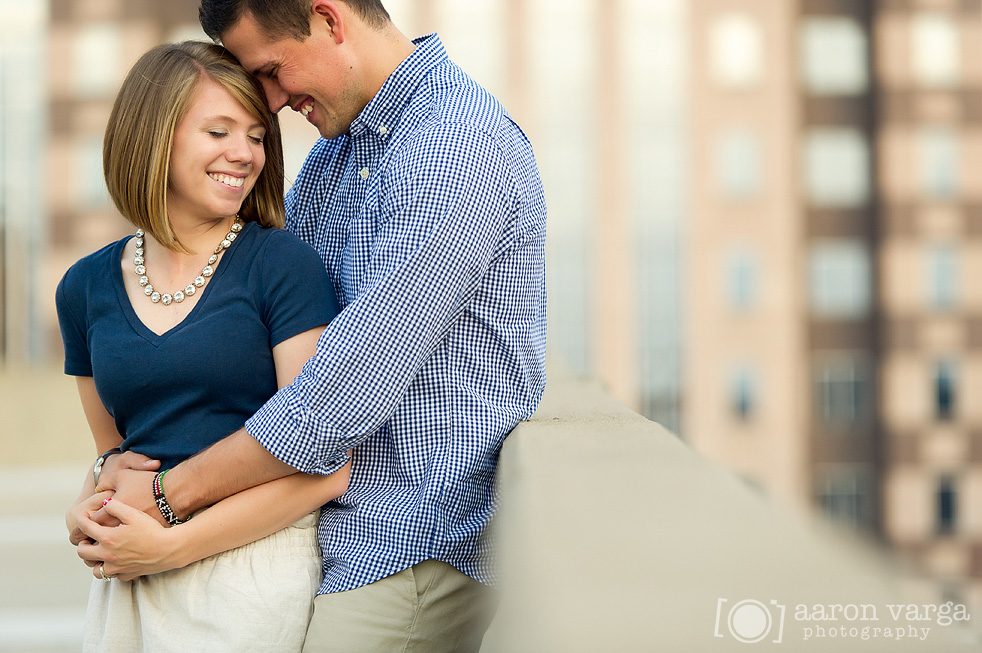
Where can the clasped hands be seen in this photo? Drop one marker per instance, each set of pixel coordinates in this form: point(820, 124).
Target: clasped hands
point(119, 530)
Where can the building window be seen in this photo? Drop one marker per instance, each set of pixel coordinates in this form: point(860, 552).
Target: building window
point(98, 53)
point(837, 167)
point(741, 279)
point(942, 277)
point(736, 51)
point(738, 164)
point(936, 50)
point(843, 388)
point(940, 163)
point(840, 279)
point(743, 392)
point(947, 505)
point(834, 57)
point(845, 496)
point(945, 390)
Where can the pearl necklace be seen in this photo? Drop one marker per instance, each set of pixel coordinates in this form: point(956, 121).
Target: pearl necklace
point(166, 299)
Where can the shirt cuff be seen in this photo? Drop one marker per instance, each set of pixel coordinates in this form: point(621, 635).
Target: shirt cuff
point(285, 429)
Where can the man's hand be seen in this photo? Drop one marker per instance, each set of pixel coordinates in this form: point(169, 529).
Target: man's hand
point(132, 487)
point(126, 460)
point(137, 547)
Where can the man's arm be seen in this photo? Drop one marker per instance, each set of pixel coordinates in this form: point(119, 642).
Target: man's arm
point(445, 210)
point(229, 466)
point(141, 546)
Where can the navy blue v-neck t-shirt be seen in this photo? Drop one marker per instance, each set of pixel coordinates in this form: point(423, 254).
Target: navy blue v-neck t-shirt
point(174, 394)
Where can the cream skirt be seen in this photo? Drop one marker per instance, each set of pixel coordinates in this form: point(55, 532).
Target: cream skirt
point(258, 597)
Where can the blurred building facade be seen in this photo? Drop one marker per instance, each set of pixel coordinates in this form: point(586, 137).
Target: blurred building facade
point(23, 179)
point(834, 335)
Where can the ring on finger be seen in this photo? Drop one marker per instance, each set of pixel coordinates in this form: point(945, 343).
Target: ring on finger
point(102, 572)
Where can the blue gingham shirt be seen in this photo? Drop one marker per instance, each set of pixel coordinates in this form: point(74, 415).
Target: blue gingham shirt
point(430, 217)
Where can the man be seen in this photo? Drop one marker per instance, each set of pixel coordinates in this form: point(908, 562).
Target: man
point(425, 203)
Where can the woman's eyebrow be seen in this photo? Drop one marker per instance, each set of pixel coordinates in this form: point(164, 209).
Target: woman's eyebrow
point(230, 120)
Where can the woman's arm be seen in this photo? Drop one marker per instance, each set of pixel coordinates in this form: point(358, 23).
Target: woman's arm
point(140, 545)
point(101, 423)
point(106, 437)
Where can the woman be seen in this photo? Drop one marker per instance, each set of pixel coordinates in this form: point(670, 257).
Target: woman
point(182, 332)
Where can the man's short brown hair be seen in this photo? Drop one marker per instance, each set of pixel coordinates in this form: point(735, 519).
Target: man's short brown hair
point(278, 18)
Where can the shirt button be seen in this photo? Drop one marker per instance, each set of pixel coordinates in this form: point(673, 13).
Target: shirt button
point(383, 130)
point(364, 172)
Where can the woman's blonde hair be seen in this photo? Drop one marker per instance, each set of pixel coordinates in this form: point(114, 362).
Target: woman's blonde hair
point(154, 98)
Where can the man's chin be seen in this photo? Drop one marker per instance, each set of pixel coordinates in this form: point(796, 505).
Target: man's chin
point(331, 130)
point(331, 135)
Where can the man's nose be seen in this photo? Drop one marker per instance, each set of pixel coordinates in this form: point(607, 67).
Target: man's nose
point(276, 97)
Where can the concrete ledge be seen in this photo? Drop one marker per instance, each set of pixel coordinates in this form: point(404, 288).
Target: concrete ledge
point(615, 536)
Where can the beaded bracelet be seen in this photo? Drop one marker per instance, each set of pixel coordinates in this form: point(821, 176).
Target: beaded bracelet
point(158, 495)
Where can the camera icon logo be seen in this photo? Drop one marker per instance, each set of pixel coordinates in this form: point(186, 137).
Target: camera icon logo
point(750, 621)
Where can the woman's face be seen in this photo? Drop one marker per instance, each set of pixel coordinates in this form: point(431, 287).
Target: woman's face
point(217, 156)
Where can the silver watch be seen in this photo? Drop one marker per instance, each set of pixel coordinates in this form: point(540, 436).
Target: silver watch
point(100, 461)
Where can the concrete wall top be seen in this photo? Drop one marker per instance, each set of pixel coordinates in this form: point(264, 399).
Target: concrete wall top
point(616, 536)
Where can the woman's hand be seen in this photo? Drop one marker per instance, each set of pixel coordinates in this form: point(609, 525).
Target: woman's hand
point(139, 546)
point(85, 507)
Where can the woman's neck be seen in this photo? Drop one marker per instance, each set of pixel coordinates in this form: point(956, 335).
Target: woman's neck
point(200, 239)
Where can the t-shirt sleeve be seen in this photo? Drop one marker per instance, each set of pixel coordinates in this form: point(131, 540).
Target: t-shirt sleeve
point(297, 293)
point(71, 309)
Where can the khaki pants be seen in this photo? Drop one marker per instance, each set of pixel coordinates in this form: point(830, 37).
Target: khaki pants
point(429, 608)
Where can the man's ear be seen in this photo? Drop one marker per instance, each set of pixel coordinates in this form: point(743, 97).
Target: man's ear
point(330, 16)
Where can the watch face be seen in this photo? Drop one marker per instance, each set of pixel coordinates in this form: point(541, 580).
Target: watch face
point(97, 469)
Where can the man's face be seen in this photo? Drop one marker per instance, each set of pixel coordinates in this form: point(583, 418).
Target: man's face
point(310, 76)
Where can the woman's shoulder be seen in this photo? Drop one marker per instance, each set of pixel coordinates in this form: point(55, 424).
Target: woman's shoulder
point(96, 266)
point(278, 242)
point(87, 278)
point(290, 282)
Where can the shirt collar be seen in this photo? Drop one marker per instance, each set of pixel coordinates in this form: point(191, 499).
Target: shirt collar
point(382, 113)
